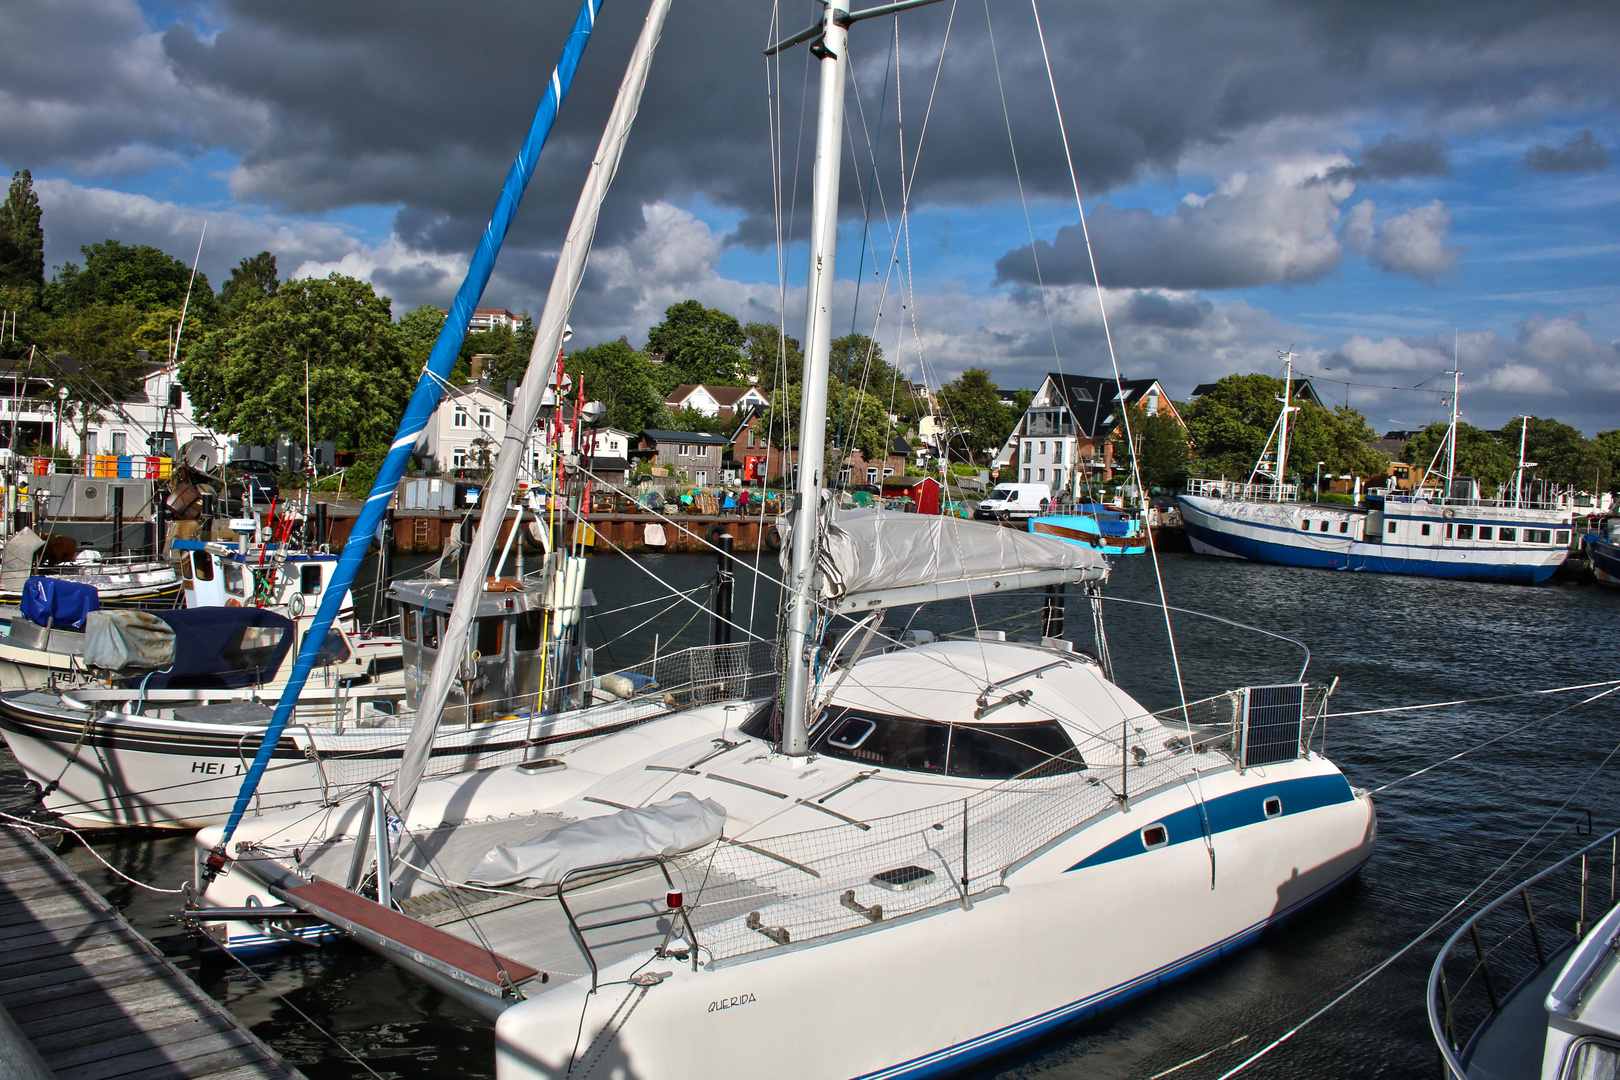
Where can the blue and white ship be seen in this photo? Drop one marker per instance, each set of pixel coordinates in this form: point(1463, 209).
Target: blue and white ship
point(1449, 532)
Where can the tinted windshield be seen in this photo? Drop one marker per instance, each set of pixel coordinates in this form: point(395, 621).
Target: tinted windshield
point(979, 751)
point(1004, 494)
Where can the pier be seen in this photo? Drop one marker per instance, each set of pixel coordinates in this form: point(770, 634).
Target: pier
point(91, 999)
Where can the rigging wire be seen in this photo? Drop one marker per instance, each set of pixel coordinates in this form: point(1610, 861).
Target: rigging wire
point(1474, 701)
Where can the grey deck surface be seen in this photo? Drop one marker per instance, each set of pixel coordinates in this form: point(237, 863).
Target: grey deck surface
point(1511, 1047)
point(96, 999)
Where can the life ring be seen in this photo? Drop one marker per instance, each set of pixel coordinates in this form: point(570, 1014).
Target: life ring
point(712, 537)
point(295, 606)
point(1448, 512)
point(772, 537)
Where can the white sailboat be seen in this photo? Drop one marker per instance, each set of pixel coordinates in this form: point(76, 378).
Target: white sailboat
point(1453, 534)
point(925, 851)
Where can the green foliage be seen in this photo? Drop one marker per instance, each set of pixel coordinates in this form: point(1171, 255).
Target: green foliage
point(1163, 443)
point(1229, 427)
point(139, 276)
point(358, 478)
point(699, 345)
point(1480, 454)
point(248, 378)
point(98, 338)
point(1608, 447)
point(252, 279)
point(22, 237)
point(858, 361)
point(866, 425)
point(623, 380)
point(689, 419)
point(1562, 454)
point(971, 405)
point(775, 359)
point(417, 331)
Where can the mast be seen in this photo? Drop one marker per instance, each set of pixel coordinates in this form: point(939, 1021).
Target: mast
point(1451, 435)
point(830, 47)
point(1282, 421)
point(548, 339)
point(1518, 475)
point(830, 50)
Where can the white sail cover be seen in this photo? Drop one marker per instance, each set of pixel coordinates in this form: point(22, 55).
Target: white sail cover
point(873, 558)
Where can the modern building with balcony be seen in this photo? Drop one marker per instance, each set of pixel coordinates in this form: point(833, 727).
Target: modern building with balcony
point(1065, 437)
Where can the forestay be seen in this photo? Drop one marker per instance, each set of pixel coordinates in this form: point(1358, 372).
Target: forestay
point(876, 558)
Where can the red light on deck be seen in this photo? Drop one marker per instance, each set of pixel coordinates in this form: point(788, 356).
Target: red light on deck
point(674, 899)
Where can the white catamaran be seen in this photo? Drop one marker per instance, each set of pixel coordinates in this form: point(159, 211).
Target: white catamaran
point(935, 849)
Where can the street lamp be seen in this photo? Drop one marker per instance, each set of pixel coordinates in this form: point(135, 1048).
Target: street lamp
point(1318, 486)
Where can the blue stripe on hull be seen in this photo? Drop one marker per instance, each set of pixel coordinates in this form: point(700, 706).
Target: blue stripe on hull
point(1287, 555)
point(954, 1059)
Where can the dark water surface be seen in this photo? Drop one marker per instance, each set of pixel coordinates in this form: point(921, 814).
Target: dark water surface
point(1390, 641)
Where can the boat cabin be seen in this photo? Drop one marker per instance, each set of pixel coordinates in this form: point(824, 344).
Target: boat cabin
point(222, 575)
point(524, 654)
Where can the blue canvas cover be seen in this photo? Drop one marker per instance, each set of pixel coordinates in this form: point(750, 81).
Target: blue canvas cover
point(49, 601)
point(222, 648)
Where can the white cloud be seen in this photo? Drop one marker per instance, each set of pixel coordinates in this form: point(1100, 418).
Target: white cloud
point(1358, 229)
point(1415, 243)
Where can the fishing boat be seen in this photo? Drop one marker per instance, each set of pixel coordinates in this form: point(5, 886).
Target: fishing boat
point(1603, 551)
point(119, 580)
point(1456, 533)
point(686, 897)
point(1527, 987)
point(1112, 532)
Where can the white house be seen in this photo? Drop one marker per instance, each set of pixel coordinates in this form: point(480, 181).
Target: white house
point(716, 400)
point(154, 418)
point(485, 319)
point(471, 421)
point(1065, 437)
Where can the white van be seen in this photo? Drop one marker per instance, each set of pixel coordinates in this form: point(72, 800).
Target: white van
point(1014, 502)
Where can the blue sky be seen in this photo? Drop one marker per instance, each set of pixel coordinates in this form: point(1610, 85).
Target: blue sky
point(1258, 175)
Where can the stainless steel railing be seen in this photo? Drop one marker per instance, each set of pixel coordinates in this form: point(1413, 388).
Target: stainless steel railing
point(1510, 941)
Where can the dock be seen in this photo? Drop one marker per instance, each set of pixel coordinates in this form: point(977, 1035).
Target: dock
point(95, 1000)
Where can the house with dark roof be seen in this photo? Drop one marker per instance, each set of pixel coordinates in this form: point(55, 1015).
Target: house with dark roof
point(1065, 437)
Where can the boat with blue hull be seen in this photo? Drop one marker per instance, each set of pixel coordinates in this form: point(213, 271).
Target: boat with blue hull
point(1468, 539)
point(1446, 531)
point(1112, 532)
point(1603, 551)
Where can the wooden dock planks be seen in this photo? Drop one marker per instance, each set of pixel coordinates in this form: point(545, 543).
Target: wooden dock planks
point(97, 1000)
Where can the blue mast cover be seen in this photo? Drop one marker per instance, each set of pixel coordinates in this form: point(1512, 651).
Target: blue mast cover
point(429, 389)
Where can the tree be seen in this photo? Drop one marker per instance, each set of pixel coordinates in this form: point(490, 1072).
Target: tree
point(620, 378)
point(417, 331)
point(252, 279)
point(94, 358)
point(866, 426)
point(699, 345)
point(1562, 454)
point(1338, 439)
point(137, 275)
point(1163, 443)
point(973, 407)
point(1607, 444)
point(1480, 454)
point(248, 378)
point(1230, 424)
point(687, 418)
point(772, 357)
point(22, 237)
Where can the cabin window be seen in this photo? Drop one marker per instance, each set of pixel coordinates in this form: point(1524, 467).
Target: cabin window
point(234, 578)
point(410, 624)
point(527, 637)
point(1425, 530)
point(430, 630)
point(1003, 751)
point(309, 579)
point(1155, 836)
point(1563, 536)
point(1391, 528)
point(489, 635)
point(1306, 525)
point(1465, 532)
point(1324, 526)
point(334, 650)
point(1484, 532)
point(1507, 535)
point(1273, 807)
point(1344, 526)
point(979, 751)
point(202, 565)
point(1538, 536)
point(1591, 1059)
point(1448, 530)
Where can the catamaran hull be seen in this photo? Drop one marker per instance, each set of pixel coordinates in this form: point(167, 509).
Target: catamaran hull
point(1228, 528)
point(110, 769)
point(1067, 937)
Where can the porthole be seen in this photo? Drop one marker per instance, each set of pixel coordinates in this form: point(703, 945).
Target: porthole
point(1155, 836)
point(1273, 807)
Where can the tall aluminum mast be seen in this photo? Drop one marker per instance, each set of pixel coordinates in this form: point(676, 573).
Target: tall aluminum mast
point(830, 48)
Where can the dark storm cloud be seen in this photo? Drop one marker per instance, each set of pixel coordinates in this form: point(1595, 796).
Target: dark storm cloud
point(334, 103)
point(1583, 153)
point(1394, 158)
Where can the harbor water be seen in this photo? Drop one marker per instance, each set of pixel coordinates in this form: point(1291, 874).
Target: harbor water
point(1390, 641)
